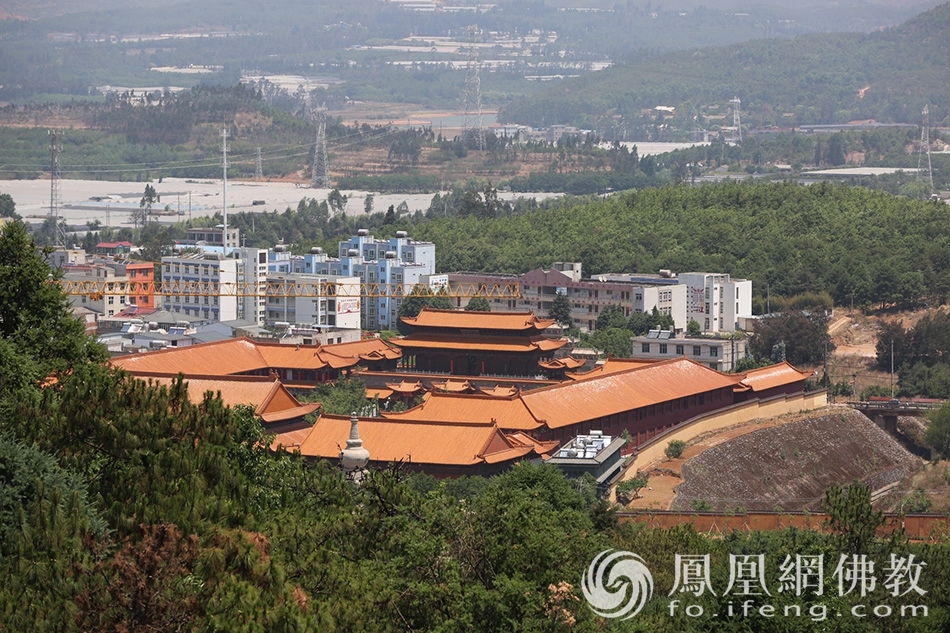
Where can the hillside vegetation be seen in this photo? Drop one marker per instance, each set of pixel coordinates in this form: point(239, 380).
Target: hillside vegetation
point(788, 238)
point(820, 78)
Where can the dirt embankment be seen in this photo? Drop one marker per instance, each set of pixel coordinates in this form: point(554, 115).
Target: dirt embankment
point(790, 466)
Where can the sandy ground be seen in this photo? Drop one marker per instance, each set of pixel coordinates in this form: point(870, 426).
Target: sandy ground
point(186, 198)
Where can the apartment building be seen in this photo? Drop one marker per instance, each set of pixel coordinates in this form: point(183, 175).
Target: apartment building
point(720, 354)
point(386, 270)
point(716, 301)
point(588, 297)
point(213, 271)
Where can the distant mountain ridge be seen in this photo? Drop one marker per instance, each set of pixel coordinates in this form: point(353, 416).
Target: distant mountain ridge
point(812, 79)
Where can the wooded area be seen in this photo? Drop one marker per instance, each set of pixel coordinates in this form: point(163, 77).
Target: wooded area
point(130, 506)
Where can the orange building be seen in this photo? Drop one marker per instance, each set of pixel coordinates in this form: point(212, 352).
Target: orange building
point(449, 449)
point(277, 409)
point(476, 343)
point(640, 398)
point(295, 365)
point(141, 284)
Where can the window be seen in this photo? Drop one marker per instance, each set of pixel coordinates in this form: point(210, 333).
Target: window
point(645, 348)
point(679, 350)
point(697, 350)
point(714, 352)
point(662, 348)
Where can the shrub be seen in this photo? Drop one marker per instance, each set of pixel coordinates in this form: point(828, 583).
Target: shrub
point(675, 448)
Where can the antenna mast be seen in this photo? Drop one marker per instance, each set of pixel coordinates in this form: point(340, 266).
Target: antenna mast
point(55, 175)
point(472, 123)
point(925, 148)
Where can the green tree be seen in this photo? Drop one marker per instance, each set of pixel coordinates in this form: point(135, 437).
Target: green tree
point(423, 297)
point(937, 436)
point(693, 328)
point(368, 204)
point(478, 304)
point(149, 198)
point(560, 310)
point(38, 334)
point(337, 201)
point(803, 333)
point(8, 207)
point(611, 316)
point(675, 448)
point(851, 516)
point(633, 485)
point(612, 341)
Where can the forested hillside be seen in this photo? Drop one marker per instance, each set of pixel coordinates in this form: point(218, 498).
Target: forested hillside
point(125, 506)
point(880, 249)
point(827, 78)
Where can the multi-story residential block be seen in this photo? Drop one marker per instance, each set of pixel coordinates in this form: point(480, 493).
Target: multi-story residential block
point(141, 276)
point(588, 297)
point(386, 269)
point(716, 301)
point(333, 302)
point(720, 354)
point(109, 298)
point(211, 238)
point(212, 269)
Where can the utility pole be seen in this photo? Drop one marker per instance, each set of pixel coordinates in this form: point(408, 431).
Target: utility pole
point(925, 148)
point(224, 189)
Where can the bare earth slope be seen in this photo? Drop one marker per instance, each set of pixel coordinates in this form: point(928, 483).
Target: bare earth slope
point(790, 466)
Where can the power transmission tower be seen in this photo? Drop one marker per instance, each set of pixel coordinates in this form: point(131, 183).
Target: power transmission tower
point(321, 163)
point(259, 169)
point(925, 148)
point(472, 124)
point(55, 175)
point(736, 121)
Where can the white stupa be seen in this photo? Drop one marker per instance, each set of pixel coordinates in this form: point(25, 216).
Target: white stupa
point(354, 457)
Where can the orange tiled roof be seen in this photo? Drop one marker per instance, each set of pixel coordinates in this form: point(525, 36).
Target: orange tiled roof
point(479, 343)
point(500, 392)
point(414, 441)
point(772, 376)
point(405, 386)
point(454, 386)
point(464, 319)
point(290, 440)
point(218, 358)
point(612, 366)
point(270, 398)
point(569, 403)
point(242, 355)
point(378, 393)
point(509, 413)
point(568, 362)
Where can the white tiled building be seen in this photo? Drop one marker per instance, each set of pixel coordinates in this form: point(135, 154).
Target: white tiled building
point(716, 301)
